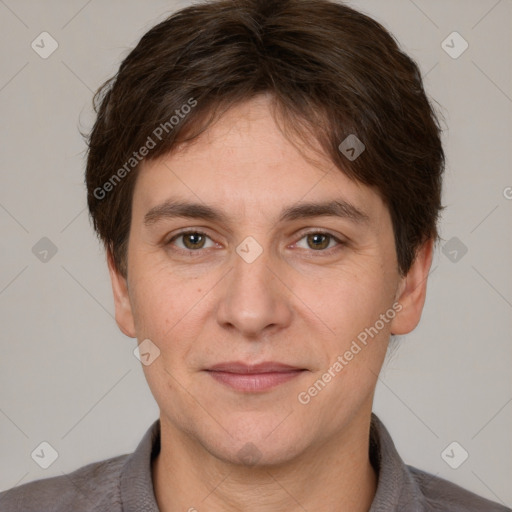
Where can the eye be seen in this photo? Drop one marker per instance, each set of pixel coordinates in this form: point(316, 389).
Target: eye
point(191, 241)
point(319, 241)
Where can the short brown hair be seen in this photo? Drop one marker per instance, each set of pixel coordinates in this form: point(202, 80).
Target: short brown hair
point(331, 72)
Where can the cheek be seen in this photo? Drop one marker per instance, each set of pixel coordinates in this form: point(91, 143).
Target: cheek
point(158, 304)
point(346, 301)
point(357, 346)
point(171, 310)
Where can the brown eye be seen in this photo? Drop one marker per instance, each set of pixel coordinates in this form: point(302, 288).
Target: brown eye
point(318, 241)
point(191, 241)
point(321, 242)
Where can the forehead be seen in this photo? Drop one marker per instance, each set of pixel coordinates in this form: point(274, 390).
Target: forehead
point(243, 161)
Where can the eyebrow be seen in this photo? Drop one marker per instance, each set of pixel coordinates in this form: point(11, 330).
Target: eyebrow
point(174, 208)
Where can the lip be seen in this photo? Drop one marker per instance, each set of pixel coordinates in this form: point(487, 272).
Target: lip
point(265, 367)
point(253, 378)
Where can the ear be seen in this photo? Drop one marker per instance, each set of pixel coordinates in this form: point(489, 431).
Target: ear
point(124, 315)
point(412, 291)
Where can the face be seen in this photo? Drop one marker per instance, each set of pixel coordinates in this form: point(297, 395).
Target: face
point(256, 272)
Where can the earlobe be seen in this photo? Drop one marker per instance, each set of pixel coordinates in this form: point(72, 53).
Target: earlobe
point(412, 291)
point(124, 315)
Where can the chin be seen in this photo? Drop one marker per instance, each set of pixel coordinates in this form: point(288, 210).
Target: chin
point(256, 442)
point(257, 454)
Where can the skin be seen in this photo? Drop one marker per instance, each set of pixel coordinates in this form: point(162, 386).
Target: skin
point(296, 304)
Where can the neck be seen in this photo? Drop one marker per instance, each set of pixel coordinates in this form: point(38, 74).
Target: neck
point(334, 476)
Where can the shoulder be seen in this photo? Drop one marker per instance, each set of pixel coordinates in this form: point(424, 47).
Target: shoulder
point(442, 495)
point(92, 487)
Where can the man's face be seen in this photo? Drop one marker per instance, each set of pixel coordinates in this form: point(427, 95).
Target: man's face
point(262, 282)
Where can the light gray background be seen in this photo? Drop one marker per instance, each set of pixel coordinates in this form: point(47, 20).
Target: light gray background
point(67, 374)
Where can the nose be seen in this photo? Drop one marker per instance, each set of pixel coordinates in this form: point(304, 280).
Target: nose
point(254, 300)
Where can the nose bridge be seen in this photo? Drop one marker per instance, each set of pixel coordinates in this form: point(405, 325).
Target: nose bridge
point(253, 299)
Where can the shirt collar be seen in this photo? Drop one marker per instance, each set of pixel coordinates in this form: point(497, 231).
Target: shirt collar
point(136, 482)
point(396, 487)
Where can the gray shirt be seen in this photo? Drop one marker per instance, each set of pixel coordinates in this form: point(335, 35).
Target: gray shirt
point(124, 484)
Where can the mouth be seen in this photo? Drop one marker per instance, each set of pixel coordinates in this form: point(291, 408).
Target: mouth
point(253, 378)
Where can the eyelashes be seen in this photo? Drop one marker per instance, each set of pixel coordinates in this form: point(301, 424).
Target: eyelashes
point(199, 236)
point(196, 241)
